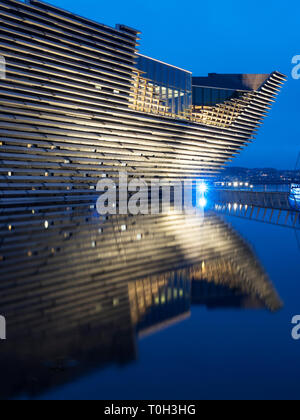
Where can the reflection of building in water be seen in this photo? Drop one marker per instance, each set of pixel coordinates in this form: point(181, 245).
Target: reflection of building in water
point(75, 289)
point(232, 283)
point(159, 301)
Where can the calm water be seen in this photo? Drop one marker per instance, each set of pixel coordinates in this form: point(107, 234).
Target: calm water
point(158, 307)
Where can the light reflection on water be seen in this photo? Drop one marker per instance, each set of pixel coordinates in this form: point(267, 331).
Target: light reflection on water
point(80, 295)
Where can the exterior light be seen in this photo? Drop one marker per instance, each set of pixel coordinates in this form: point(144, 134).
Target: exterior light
point(202, 188)
point(202, 202)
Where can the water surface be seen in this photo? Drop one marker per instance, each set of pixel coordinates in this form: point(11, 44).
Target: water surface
point(155, 307)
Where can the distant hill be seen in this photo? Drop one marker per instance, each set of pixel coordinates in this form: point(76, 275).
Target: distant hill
point(260, 175)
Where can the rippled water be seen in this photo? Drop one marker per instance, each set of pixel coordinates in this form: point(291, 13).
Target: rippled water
point(148, 307)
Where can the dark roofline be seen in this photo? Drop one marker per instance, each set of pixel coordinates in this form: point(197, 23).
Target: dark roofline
point(119, 27)
point(242, 82)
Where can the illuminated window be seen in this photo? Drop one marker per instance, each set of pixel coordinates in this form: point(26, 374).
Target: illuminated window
point(171, 84)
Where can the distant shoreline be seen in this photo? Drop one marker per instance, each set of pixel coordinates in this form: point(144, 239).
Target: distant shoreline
point(260, 175)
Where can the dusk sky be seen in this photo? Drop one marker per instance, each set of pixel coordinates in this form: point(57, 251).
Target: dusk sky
point(221, 37)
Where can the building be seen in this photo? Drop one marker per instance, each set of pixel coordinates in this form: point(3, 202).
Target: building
point(79, 103)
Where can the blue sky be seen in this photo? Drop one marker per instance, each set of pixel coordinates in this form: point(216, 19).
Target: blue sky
point(221, 37)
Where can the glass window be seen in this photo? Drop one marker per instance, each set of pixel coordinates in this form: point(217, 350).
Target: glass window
point(159, 74)
point(207, 97)
point(165, 79)
point(177, 82)
point(174, 85)
point(182, 80)
point(189, 82)
point(215, 96)
point(164, 93)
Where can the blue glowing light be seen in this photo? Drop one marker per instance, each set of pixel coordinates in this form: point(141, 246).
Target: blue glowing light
point(202, 188)
point(294, 197)
point(203, 202)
